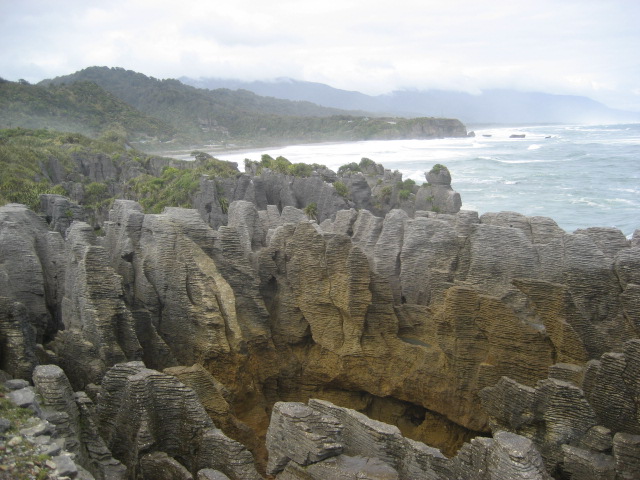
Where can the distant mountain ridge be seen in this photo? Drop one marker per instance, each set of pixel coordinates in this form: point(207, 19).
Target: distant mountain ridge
point(502, 106)
point(224, 116)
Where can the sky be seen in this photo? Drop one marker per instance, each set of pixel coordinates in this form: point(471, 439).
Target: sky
point(584, 47)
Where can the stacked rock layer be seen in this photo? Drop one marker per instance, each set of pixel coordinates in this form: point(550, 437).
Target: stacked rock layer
point(447, 325)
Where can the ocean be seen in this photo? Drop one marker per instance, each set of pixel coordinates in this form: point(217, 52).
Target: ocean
point(579, 175)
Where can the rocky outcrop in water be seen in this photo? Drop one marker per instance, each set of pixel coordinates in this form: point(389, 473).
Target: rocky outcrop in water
point(445, 325)
point(437, 195)
point(371, 187)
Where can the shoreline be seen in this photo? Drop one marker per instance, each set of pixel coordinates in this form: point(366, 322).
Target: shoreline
point(239, 149)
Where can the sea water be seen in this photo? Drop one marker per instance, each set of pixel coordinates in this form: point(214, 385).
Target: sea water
point(581, 176)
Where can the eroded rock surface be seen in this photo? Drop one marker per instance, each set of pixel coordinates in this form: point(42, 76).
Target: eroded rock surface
point(322, 440)
point(143, 410)
point(445, 324)
point(576, 420)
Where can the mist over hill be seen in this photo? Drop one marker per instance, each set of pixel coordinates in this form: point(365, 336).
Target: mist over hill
point(206, 117)
point(501, 106)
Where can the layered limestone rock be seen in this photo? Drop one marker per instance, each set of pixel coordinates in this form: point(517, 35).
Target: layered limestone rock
point(437, 195)
point(443, 306)
point(190, 288)
point(374, 188)
point(99, 328)
point(407, 317)
point(60, 212)
point(271, 188)
point(322, 440)
point(31, 267)
point(17, 340)
point(152, 422)
point(73, 416)
point(217, 401)
point(576, 420)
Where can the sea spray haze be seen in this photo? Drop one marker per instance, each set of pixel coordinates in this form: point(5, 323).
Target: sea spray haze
point(579, 175)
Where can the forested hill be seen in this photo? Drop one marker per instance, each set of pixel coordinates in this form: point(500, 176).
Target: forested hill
point(98, 99)
point(198, 113)
point(226, 116)
point(81, 107)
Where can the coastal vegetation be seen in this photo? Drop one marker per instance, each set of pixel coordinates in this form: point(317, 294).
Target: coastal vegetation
point(175, 187)
point(93, 172)
point(341, 189)
point(159, 114)
point(24, 164)
point(282, 165)
point(364, 165)
point(311, 210)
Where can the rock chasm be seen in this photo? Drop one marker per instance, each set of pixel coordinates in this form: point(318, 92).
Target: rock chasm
point(369, 343)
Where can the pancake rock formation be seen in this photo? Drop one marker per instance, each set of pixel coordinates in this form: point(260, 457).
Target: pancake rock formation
point(366, 343)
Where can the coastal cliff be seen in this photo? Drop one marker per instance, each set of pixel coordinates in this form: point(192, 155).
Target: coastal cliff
point(507, 345)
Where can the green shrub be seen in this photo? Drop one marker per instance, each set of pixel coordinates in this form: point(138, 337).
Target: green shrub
point(95, 193)
point(438, 167)
point(404, 194)
point(26, 192)
point(224, 204)
point(349, 167)
point(311, 211)
point(408, 184)
point(341, 189)
point(282, 165)
point(300, 170)
point(366, 162)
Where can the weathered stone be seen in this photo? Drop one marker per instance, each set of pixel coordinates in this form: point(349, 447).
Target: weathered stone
point(160, 466)
point(567, 372)
point(506, 457)
point(437, 195)
point(510, 404)
point(210, 474)
point(16, 384)
point(586, 465)
point(598, 438)
point(41, 428)
point(301, 434)
point(25, 398)
point(74, 422)
point(96, 318)
point(407, 318)
point(140, 407)
point(342, 467)
point(5, 424)
point(65, 466)
point(215, 398)
point(514, 456)
point(61, 212)
point(626, 451)
point(52, 449)
point(31, 268)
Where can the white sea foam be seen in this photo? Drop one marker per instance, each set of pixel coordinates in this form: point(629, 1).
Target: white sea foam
point(565, 177)
point(516, 162)
point(586, 201)
point(623, 200)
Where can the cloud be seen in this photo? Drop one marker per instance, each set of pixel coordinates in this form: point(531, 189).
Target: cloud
point(584, 47)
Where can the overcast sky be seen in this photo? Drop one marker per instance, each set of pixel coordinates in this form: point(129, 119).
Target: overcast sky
point(580, 47)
